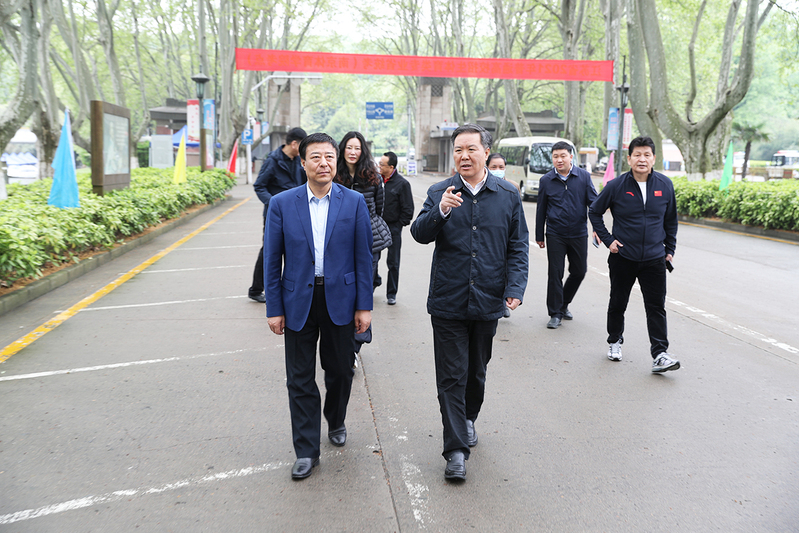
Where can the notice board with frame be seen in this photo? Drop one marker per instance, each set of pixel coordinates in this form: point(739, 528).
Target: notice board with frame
point(110, 147)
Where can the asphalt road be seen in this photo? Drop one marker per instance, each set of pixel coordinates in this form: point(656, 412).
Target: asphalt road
point(162, 406)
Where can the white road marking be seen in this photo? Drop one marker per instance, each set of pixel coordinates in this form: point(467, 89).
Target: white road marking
point(727, 324)
point(219, 247)
point(116, 365)
point(153, 304)
point(417, 492)
point(720, 321)
point(116, 496)
point(192, 269)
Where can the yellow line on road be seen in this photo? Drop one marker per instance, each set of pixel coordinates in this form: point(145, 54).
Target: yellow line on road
point(740, 233)
point(50, 325)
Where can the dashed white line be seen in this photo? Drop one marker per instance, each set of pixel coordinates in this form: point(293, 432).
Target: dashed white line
point(720, 321)
point(116, 365)
point(418, 492)
point(219, 247)
point(191, 269)
point(90, 501)
point(154, 304)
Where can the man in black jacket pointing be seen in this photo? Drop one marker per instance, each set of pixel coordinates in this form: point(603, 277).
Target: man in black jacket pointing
point(641, 247)
point(479, 266)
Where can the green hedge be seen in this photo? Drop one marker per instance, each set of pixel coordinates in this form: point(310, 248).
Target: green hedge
point(772, 204)
point(33, 234)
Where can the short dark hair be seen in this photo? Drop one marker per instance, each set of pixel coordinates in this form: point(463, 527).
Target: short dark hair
point(295, 134)
point(485, 137)
point(495, 155)
point(392, 159)
point(562, 145)
point(317, 138)
point(639, 142)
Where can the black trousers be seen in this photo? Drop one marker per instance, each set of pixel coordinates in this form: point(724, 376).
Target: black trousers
point(651, 276)
point(462, 352)
point(257, 286)
point(560, 294)
point(336, 357)
point(393, 259)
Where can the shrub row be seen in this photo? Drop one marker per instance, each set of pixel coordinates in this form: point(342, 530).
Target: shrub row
point(772, 204)
point(33, 234)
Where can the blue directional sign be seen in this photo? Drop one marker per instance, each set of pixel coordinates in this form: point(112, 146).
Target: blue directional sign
point(246, 137)
point(379, 110)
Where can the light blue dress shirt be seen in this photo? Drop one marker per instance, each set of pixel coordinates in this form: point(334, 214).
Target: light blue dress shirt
point(319, 208)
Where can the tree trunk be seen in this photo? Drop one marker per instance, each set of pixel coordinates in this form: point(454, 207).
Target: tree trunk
point(639, 83)
point(145, 119)
point(571, 22)
point(747, 149)
point(612, 12)
point(512, 104)
point(46, 122)
point(694, 138)
point(25, 98)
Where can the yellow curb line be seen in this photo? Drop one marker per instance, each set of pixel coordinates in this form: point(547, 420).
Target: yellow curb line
point(50, 325)
point(740, 233)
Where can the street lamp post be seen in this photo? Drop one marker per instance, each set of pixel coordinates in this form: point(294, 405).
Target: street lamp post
point(623, 89)
point(201, 79)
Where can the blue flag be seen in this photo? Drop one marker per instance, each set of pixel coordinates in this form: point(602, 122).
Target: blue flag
point(64, 192)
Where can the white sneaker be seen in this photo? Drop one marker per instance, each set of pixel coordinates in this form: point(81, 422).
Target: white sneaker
point(614, 351)
point(664, 363)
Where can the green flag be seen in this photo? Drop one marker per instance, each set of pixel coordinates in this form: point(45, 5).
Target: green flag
point(726, 177)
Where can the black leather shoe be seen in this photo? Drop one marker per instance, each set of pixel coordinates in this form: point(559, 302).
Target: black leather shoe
point(554, 323)
point(471, 434)
point(303, 466)
point(338, 437)
point(456, 467)
point(260, 298)
point(567, 315)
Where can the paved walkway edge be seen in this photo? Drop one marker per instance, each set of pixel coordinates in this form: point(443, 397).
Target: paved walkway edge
point(42, 286)
point(749, 230)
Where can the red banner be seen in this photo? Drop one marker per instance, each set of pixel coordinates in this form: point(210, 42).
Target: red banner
point(432, 67)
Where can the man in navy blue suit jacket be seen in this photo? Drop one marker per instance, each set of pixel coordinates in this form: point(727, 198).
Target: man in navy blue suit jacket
point(318, 281)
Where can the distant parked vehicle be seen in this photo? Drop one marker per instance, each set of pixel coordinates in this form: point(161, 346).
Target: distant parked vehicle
point(527, 159)
point(784, 165)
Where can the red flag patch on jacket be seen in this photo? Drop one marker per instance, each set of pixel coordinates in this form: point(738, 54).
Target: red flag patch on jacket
point(658, 193)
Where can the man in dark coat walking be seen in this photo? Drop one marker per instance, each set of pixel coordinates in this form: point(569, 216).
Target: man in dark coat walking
point(641, 246)
point(397, 212)
point(479, 266)
point(564, 195)
point(280, 172)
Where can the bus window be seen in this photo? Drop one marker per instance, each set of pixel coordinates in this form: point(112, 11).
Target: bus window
point(541, 158)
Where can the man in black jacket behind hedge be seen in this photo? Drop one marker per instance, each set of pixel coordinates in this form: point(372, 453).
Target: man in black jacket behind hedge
point(397, 212)
point(642, 245)
point(564, 195)
point(480, 264)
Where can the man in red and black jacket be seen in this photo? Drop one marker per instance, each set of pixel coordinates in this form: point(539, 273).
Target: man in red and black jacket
point(641, 247)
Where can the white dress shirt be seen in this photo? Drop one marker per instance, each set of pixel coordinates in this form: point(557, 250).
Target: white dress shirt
point(474, 190)
point(319, 208)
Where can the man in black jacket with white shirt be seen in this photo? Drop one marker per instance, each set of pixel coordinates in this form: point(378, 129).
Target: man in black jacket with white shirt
point(564, 195)
point(480, 265)
point(642, 245)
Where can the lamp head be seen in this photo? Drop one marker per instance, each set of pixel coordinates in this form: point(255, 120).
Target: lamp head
point(200, 79)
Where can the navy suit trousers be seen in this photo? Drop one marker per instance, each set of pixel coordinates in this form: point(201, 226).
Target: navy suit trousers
point(336, 356)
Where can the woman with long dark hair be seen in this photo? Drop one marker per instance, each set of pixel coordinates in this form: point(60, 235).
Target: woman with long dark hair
point(358, 171)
